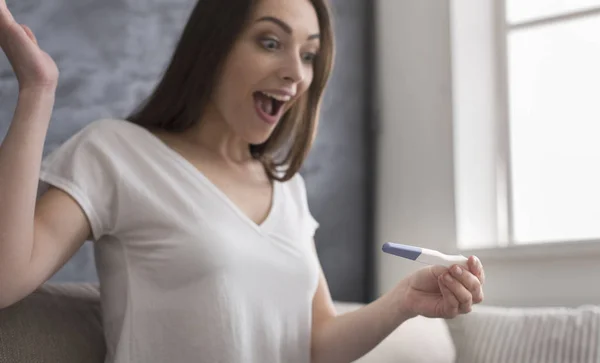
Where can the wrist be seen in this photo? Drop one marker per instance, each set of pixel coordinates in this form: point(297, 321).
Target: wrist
point(34, 106)
point(39, 92)
point(36, 97)
point(403, 310)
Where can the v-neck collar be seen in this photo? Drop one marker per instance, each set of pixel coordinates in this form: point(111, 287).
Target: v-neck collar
point(185, 163)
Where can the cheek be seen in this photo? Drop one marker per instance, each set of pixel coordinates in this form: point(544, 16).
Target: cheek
point(241, 75)
point(306, 83)
point(234, 92)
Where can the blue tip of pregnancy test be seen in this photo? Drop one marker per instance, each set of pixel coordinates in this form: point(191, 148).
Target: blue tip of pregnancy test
point(397, 249)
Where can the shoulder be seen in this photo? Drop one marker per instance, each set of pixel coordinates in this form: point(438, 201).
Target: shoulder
point(295, 189)
point(105, 136)
point(94, 133)
point(105, 128)
point(297, 185)
point(99, 143)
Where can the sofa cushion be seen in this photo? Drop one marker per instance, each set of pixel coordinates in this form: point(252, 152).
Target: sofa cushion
point(62, 323)
point(56, 323)
point(418, 340)
point(527, 335)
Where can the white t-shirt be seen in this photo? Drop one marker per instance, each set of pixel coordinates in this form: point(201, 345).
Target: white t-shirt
point(185, 276)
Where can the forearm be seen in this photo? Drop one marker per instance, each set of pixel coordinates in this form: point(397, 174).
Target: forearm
point(20, 160)
point(349, 336)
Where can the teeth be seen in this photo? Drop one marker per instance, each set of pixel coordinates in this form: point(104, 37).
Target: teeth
point(277, 97)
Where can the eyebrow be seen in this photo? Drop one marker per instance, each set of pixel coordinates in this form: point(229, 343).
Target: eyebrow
point(286, 28)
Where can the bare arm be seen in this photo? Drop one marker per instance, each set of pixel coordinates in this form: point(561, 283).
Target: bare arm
point(35, 238)
point(433, 291)
point(347, 337)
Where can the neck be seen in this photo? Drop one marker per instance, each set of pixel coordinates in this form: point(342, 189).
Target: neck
point(213, 135)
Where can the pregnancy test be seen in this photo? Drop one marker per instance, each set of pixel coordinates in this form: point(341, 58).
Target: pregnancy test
point(424, 255)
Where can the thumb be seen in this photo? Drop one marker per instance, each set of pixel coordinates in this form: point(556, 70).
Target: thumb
point(29, 33)
point(438, 270)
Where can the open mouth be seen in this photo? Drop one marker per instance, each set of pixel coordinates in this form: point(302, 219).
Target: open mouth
point(269, 103)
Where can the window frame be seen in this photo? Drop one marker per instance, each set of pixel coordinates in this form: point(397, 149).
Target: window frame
point(504, 245)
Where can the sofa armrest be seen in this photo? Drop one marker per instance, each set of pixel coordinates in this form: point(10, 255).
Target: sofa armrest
point(418, 340)
point(56, 323)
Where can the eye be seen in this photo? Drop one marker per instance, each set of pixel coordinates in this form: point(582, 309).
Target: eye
point(270, 43)
point(309, 57)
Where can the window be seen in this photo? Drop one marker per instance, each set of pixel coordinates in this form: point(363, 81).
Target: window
point(526, 104)
point(552, 75)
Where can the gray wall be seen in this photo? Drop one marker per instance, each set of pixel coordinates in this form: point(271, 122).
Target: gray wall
point(110, 54)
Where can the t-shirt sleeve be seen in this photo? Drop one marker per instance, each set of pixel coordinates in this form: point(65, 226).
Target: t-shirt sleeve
point(84, 168)
point(309, 221)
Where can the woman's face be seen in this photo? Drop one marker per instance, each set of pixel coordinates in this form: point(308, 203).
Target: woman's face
point(270, 66)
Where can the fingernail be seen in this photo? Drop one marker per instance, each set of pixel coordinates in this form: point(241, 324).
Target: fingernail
point(457, 270)
point(448, 278)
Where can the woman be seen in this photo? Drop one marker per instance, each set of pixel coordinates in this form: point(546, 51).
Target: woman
point(202, 233)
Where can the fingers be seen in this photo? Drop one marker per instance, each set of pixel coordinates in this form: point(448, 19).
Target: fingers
point(476, 268)
point(469, 281)
point(451, 305)
point(5, 15)
point(458, 288)
point(29, 33)
point(461, 287)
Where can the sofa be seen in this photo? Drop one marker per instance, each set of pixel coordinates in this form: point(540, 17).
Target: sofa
point(62, 323)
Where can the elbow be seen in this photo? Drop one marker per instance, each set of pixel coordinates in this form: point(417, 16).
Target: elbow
point(317, 351)
point(317, 356)
point(6, 301)
point(3, 302)
point(314, 349)
point(8, 295)
point(314, 358)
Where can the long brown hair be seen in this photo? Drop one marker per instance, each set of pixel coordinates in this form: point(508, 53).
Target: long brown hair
point(180, 98)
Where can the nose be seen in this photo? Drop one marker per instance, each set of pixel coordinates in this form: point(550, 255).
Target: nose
point(292, 69)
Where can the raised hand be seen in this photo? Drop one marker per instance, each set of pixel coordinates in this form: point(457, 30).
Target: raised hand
point(34, 68)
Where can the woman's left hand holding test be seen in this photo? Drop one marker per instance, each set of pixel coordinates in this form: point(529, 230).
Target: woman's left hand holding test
point(440, 292)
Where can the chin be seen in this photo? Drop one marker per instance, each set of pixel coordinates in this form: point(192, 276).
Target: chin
point(258, 138)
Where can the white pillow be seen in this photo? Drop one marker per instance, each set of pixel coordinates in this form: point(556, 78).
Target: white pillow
point(527, 335)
